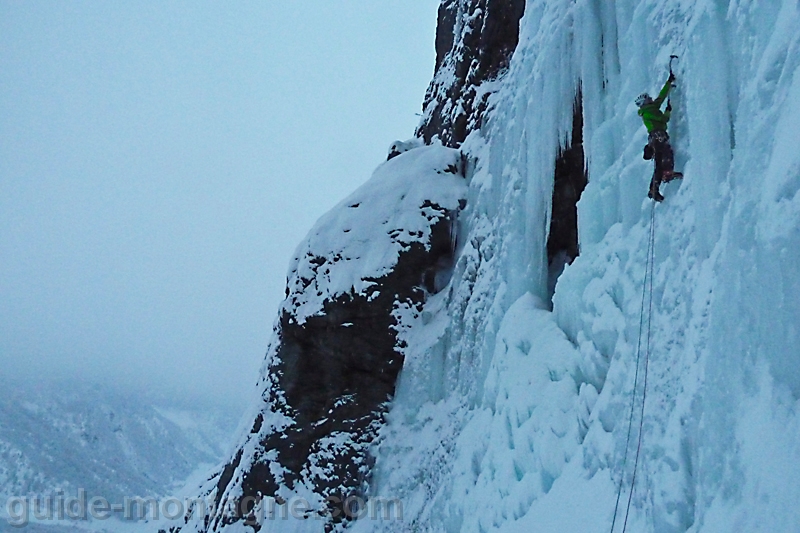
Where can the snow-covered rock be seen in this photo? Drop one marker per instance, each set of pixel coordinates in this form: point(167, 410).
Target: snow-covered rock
point(362, 238)
point(474, 43)
point(399, 147)
point(360, 276)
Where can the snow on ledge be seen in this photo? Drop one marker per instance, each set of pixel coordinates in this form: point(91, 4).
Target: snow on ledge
point(363, 235)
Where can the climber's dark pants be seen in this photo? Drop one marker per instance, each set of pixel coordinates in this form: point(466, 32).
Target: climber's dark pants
point(663, 157)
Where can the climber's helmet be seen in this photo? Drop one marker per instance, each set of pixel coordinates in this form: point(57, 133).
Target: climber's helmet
point(643, 99)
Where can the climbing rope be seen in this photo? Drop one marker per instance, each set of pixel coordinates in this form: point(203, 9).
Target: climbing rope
point(647, 289)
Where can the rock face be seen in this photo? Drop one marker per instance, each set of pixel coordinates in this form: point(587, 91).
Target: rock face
point(569, 181)
point(337, 371)
point(474, 43)
point(361, 276)
point(365, 268)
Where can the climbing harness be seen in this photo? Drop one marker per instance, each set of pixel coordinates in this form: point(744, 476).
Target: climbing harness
point(647, 294)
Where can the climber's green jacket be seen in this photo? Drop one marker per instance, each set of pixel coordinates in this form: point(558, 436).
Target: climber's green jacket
point(652, 116)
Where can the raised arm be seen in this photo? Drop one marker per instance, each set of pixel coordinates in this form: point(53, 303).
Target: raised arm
point(664, 92)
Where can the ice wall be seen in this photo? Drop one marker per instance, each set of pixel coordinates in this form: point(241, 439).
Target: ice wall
point(510, 417)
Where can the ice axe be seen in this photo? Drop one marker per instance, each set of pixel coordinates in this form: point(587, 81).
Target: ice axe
point(671, 59)
point(671, 75)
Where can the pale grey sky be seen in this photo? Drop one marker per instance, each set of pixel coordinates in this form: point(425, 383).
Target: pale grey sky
point(160, 161)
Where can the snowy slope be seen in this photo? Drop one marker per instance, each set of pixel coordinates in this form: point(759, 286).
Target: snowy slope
point(69, 436)
point(509, 417)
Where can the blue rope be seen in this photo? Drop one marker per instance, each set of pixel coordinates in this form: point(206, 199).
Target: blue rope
point(646, 364)
point(648, 272)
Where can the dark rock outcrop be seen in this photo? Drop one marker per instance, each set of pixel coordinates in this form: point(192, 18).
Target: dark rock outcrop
point(367, 266)
point(474, 43)
point(569, 181)
point(336, 373)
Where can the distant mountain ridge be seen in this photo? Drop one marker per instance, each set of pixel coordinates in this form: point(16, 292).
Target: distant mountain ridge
point(74, 435)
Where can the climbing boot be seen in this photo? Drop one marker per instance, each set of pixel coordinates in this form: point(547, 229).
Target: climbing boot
point(655, 194)
point(670, 175)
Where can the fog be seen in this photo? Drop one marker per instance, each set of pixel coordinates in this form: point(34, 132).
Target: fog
point(159, 162)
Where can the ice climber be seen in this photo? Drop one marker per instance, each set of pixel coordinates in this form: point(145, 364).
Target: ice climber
point(658, 147)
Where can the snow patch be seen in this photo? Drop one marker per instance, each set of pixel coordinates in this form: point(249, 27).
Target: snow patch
point(366, 232)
